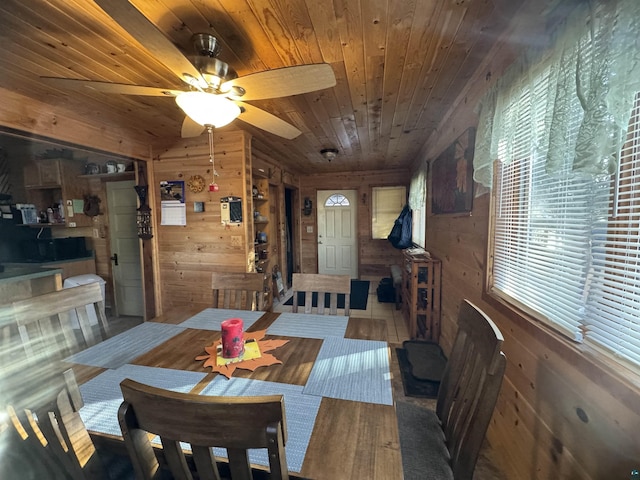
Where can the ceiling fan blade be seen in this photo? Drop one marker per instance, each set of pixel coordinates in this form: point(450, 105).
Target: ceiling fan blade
point(108, 87)
point(191, 128)
point(259, 118)
point(145, 32)
point(283, 82)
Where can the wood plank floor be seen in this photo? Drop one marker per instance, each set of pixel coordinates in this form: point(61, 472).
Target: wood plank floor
point(396, 333)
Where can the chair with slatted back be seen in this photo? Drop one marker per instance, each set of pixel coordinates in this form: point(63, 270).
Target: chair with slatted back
point(234, 423)
point(242, 291)
point(43, 325)
point(313, 284)
point(18, 457)
point(46, 423)
point(451, 436)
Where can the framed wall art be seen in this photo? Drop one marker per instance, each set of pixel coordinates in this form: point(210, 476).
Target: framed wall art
point(452, 176)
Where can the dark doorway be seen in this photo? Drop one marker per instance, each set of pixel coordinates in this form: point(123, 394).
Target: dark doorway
point(288, 201)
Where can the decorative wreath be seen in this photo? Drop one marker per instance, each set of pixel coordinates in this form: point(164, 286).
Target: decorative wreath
point(196, 183)
point(91, 205)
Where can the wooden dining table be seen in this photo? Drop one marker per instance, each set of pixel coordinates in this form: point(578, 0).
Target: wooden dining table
point(349, 439)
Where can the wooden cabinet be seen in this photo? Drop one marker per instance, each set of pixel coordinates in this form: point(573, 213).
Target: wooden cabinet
point(421, 275)
point(261, 227)
point(50, 181)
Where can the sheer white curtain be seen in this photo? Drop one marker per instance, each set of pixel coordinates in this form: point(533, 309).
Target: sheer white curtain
point(418, 204)
point(594, 71)
point(564, 126)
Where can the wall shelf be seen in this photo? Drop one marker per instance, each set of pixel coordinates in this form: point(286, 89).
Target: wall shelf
point(261, 260)
point(130, 175)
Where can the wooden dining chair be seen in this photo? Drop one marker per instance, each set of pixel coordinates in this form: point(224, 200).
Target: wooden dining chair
point(18, 458)
point(42, 325)
point(47, 427)
point(235, 423)
point(311, 283)
point(242, 291)
point(467, 397)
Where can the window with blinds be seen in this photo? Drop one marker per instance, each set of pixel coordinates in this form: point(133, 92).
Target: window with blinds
point(566, 247)
point(386, 205)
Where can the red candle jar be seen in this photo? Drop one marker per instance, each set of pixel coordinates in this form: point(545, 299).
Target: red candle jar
point(232, 338)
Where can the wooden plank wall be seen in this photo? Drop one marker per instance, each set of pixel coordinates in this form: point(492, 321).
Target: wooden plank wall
point(56, 122)
point(374, 256)
point(188, 254)
point(560, 414)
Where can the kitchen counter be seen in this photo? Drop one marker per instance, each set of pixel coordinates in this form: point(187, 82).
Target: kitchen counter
point(13, 273)
point(48, 263)
point(17, 283)
point(69, 268)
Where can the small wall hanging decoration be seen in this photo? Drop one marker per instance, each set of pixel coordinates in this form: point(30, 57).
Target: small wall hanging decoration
point(91, 205)
point(196, 183)
point(308, 206)
point(143, 216)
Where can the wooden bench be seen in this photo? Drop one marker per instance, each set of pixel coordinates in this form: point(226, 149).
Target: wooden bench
point(396, 276)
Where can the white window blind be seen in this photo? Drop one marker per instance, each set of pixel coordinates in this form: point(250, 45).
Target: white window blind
point(386, 205)
point(566, 247)
point(612, 318)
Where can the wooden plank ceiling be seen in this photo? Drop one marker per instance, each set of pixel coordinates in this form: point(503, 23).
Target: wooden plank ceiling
point(399, 64)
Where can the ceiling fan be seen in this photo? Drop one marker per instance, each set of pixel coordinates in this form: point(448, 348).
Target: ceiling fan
point(215, 95)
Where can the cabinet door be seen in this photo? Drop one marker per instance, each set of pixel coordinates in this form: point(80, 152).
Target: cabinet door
point(49, 172)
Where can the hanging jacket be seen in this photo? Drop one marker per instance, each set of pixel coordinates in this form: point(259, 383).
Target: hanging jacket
point(400, 236)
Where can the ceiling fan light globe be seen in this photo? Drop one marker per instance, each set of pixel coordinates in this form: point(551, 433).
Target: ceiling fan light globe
point(208, 108)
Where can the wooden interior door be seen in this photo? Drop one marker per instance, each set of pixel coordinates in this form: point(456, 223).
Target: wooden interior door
point(125, 247)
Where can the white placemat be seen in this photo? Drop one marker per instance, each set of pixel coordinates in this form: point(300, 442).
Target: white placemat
point(102, 395)
point(300, 412)
point(211, 318)
point(309, 325)
point(123, 348)
point(352, 369)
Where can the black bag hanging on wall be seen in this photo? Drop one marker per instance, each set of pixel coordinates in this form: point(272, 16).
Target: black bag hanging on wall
point(400, 236)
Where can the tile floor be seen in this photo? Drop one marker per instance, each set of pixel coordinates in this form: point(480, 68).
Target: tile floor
point(396, 328)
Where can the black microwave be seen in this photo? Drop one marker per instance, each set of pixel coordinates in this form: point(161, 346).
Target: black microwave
point(53, 249)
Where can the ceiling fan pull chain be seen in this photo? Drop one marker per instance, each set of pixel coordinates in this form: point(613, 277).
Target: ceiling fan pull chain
point(213, 186)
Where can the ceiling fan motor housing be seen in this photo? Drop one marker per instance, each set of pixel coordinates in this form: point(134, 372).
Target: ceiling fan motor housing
point(206, 44)
point(214, 70)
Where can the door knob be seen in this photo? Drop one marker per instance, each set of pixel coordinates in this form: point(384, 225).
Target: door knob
point(114, 257)
point(319, 242)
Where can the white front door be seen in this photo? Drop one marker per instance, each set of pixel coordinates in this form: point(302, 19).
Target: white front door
point(125, 248)
point(337, 234)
